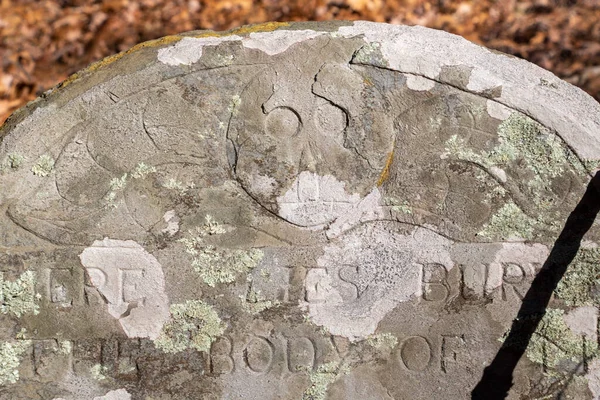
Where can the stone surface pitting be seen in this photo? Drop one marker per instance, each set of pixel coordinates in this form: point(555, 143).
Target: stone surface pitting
point(294, 211)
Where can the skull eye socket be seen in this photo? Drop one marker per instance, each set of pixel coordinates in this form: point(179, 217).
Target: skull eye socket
point(331, 120)
point(282, 121)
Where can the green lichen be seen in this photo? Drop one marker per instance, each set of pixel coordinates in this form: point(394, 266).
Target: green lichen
point(509, 222)
point(43, 166)
point(581, 279)
point(553, 341)
point(255, 303)
point(193, 325)
point(10, 359)
point(142, 170)
point(320, 380)
point(18, 297)
point(218, 265)
point(382, 341)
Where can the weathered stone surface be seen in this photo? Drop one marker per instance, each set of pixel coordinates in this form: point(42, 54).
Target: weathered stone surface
point(305, 211)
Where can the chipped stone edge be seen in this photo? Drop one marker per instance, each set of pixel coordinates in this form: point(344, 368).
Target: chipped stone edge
point(568, 110)
point(419, 51)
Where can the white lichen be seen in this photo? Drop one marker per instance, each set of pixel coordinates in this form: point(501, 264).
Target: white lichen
point(43, 166)
point(142, 170)
point(116, 185)
point(11, 354)
point(18, 297)
point(193, 325)
point(15, 160)
point(65, 347)
point(173, 184)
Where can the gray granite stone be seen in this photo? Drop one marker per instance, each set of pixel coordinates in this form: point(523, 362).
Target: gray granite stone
point(296, 211)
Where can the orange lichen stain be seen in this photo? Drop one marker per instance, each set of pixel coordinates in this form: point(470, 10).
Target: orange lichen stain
point(244, 30)
point(385, 173)
point(111, 59)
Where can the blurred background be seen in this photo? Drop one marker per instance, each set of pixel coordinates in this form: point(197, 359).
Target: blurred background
point(42, 42)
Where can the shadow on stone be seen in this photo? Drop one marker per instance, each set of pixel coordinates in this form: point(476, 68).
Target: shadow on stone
point(497, 377)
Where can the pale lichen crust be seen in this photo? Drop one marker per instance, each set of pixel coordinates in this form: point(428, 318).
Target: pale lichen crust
point(193, 325)
point(382, 341)
point(581, 283)
point(553, 342)
point(541, 155)
point(44, 166)
point(18, 297)
point(215, 264)
point(11, 354)
point(324, 376)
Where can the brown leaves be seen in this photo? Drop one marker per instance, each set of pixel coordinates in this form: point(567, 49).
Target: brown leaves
point(44, 41)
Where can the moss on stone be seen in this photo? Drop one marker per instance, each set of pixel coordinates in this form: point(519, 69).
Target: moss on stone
point(581, 278)
point(43, 166)
point(18, 297)
point(320, 380)
point(193, 325)
point(553, 341)
point(11, 354)
point(218, 265)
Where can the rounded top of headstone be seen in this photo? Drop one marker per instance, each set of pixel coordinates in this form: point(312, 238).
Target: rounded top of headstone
point(299, 210)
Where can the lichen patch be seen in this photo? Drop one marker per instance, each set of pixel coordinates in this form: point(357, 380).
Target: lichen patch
point(18, 297)
point(43, 166)
point(217, 264)
point(553, 341)
point(322, 378)
point(581, 282)
point(193, 325)
point(11, 355)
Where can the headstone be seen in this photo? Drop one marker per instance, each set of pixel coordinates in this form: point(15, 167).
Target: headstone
point(301, 211)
